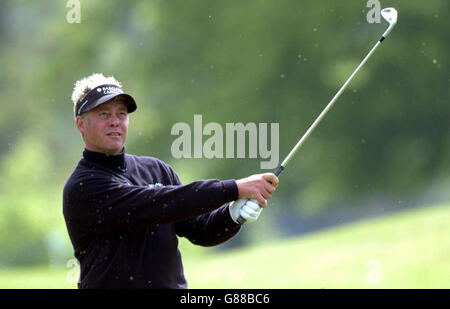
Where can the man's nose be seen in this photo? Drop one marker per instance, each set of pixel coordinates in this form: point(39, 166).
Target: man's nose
point(114, 120)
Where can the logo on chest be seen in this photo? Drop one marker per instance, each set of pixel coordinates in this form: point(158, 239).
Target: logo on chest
point(155, 185)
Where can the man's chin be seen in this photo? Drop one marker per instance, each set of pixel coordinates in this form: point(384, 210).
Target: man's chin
point(113, 150)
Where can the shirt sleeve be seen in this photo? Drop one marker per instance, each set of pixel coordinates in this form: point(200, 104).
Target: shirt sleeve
point(100, 204)
point(209, 229)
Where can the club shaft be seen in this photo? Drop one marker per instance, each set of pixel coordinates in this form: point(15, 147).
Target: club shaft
point(325, 111)
point(280, 168)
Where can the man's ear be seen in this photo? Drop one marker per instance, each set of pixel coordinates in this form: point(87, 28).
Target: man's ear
point(81, 124)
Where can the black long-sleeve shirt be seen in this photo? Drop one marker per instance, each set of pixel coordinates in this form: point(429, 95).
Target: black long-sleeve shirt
point(124, 213)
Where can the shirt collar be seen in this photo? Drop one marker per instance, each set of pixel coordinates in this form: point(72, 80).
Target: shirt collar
point(117, 162)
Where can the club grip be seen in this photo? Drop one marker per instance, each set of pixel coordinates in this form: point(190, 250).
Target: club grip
point(279, 170)
point(241, 220)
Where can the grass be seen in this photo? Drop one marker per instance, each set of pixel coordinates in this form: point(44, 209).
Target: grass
point(35, 278)
point(404, 250)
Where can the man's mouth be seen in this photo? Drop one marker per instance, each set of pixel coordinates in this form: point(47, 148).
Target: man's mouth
point(114, 134)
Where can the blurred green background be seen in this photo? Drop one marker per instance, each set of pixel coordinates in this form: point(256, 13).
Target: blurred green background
point(366, 201)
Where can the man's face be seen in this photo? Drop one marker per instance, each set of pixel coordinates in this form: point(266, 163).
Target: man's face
point(105, 128)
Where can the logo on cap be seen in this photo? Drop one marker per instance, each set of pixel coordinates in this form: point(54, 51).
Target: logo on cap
point(110, 90)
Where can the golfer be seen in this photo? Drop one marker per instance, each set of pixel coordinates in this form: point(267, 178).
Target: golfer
point(124, 212)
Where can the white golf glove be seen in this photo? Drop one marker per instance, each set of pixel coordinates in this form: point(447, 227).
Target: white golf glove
point(248, 209)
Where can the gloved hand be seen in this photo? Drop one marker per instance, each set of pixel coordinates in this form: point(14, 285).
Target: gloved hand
point(248, 209)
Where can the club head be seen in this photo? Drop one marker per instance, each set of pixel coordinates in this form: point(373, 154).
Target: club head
point(390, 15)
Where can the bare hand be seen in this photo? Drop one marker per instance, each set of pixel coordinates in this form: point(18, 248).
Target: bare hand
point(259, 187)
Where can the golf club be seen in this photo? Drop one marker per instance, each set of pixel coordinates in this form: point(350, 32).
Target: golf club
point(390, 15)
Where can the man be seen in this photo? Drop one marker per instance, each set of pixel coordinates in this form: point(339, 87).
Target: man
point(124, 212)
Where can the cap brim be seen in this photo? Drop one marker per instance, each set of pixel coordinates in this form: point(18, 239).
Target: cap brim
point(127, 99)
